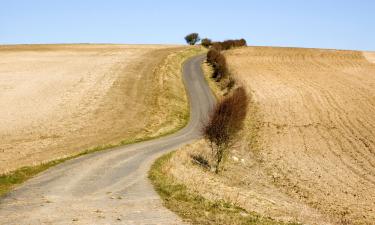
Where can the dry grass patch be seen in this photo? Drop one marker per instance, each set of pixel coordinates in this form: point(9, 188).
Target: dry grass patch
point(171, 97)
point(194, 208)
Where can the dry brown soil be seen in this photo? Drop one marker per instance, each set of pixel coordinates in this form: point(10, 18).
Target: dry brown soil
point(58, 100)
point(307, 152)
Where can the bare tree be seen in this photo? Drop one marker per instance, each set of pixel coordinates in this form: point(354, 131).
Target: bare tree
point(224, 123)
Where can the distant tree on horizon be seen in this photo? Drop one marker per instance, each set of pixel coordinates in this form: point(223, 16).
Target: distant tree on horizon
point(192, 38)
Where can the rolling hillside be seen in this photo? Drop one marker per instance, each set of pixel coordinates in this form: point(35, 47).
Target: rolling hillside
point(307, 152)
point(59, 100)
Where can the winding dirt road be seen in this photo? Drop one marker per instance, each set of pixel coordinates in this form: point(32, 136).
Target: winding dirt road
point(109, 187)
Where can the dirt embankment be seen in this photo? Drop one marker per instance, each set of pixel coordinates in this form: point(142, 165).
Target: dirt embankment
point(58, 100)
point(308, 148)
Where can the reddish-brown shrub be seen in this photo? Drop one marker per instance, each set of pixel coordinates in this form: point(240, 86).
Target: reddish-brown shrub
point(212, 55)
point(218, 62)
point(242, 42)
point(216, 46)
point(206, 42)
point(228, 44)
point(224, 123)
point(220, 67)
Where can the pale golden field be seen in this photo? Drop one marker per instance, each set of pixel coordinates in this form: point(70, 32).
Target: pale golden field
point(59, 100)
point(307, 151)
point(370, 56)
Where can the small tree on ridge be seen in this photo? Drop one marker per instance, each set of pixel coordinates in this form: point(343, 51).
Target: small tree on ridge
point(192, 38)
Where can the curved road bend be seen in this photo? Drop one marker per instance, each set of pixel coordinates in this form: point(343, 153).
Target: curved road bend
point(108, 187)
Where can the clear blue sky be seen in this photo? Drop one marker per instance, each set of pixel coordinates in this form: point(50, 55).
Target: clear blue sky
point(343, 24)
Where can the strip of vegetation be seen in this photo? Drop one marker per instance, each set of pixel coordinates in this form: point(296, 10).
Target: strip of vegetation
point(12, 179)
point(224, 123)
point(228, 44)
point(217, 59)
point(220, 130)
point(172, 98)
point(196, 209)
point(229, 114)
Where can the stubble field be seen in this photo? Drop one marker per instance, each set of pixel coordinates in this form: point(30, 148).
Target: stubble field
point(58, 100)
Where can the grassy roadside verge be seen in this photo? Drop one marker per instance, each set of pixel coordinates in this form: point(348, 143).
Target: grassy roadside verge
point(177, 119)
point(171, 95)
point(194, 208)
point(12, 179)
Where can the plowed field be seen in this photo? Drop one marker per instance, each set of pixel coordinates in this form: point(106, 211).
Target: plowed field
point(317, 132)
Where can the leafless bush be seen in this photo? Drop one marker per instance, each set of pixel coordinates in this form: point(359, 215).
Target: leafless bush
point(219, 64)
point(212, 55)
point(216, 46)
point(220, 68)
point(206, 42)
point(228, 44)
point(224, 123)
point(242, 42)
